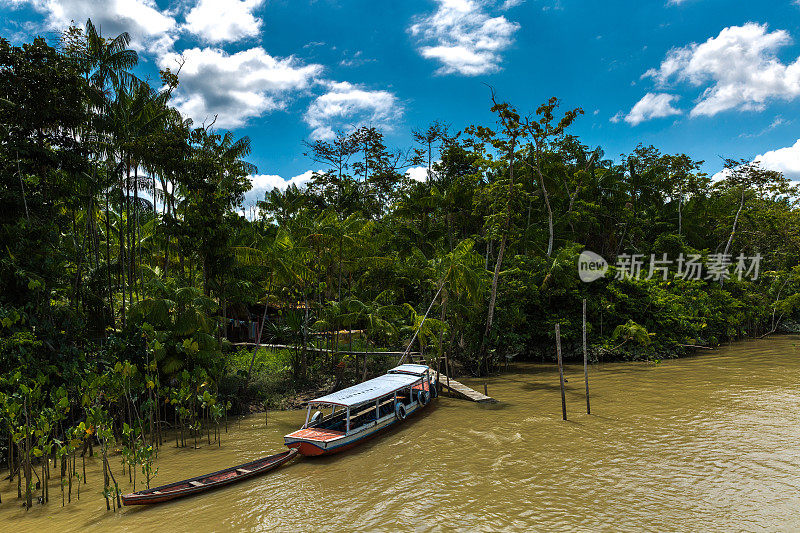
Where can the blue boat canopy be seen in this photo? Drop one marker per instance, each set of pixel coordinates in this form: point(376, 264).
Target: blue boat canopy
point(369, 390)
point(417, 370)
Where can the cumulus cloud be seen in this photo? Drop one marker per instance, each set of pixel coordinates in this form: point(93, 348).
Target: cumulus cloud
point(463, 37)
point(649, 107)
point(264, 183)
point(216, 21)
point(418, 173)
point(739, 69)
point(236, 87)
point(345, 106)
point(151, 29)
point(786, 160)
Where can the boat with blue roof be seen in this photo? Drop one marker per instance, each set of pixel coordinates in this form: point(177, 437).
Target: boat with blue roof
point(340, 420)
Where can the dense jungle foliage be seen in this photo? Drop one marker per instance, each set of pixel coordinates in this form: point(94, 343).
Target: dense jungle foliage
point(114, 308)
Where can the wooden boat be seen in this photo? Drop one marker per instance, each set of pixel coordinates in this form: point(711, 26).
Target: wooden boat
point(362, 411)
point(207, 482)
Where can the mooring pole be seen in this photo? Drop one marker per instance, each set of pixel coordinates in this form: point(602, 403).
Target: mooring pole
point(585, 360)
point(561, 372)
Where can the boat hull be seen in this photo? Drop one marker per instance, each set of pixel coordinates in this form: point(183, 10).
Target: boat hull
point(207, 482)
point(310, 448)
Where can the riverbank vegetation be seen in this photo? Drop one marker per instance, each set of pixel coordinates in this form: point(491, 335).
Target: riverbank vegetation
point(124, 257)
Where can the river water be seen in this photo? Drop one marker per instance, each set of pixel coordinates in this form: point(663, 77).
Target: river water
point(707, 443)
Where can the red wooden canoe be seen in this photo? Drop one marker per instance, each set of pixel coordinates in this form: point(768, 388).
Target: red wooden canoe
point(206, 482)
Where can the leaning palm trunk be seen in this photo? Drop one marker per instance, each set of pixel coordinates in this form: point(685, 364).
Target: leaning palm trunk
point(260, 331)
point(425, 317)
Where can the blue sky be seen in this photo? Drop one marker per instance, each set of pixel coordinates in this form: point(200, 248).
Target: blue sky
point(709, 78)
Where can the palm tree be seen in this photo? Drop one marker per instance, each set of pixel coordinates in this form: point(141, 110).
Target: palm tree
point(283, 205)
point(463, 275)
point(109, 62)
point(133, 121)
point(272, 259)
point(107, 65)
point(183, 316)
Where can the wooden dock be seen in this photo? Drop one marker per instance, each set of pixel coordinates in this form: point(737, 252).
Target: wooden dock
point(318, 350)
point(459, 390)
point(453, 387)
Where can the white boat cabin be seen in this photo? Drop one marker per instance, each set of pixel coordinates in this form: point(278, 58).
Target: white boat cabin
point(339, 420)
point(393, 395)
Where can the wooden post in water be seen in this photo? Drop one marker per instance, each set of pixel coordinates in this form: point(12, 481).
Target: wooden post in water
point(561, 372)
point(585, 360)
point(448, 371)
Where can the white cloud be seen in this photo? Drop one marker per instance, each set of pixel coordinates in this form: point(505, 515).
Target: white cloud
point(150, 28)
point(721, 175)
point(739, 69)
point(264, 183)
point(217, 21)
point(776, 123)
point(418, 173)
point(786, 160)
point(649, 107)
point(463, 37)
point(345, 106)
point(236, 87)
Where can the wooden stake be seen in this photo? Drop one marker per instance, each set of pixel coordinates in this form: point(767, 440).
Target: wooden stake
point(485, 389)
point(585, 360)
point(561, 372)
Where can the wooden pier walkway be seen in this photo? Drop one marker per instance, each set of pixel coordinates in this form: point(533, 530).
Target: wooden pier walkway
point(460, 390)
point(455, 388)
point(318, 350)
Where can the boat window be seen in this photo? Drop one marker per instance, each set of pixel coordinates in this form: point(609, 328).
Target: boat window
point(336, 420)
point(386, 406)
point(362, 415)
point(404, 396)
point(369, 413)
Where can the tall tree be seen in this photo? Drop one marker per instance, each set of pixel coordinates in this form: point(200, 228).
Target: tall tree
point(505, 141)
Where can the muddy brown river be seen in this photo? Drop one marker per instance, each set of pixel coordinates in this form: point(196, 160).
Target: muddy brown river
point(707, 443)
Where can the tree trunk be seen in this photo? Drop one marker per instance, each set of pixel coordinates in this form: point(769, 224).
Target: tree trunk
point(492, 300)
point(27, 458)
point(260, 331)
point(680, 211)
point(498, 264)
point(108, 262)
point(546, 197)
point(735, 222)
